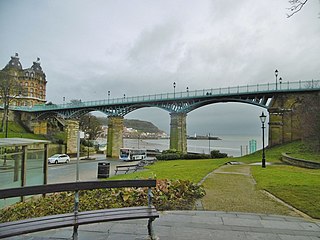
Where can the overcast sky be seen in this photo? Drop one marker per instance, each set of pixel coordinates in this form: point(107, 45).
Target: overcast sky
point(138, 47)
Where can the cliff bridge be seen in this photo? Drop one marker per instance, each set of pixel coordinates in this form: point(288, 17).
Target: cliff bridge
point(280, 100)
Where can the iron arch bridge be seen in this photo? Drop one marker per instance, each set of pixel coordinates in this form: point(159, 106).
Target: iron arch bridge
point(178, 102)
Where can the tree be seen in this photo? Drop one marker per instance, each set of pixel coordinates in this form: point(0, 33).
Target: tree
point(91, 125)
point(296, 6)
point(10, 88)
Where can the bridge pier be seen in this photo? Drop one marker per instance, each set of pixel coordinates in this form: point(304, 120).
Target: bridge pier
point(71, 129)
point(178, 132)
point(115, 139)
point(40, 127)
point(285, 119)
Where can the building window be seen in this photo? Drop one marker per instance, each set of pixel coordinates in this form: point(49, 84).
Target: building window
point(27, 74)
point(32, 75)
point(26, 84)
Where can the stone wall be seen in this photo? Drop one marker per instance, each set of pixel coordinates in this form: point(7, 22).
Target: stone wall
point(299, 162)
point(285, 118)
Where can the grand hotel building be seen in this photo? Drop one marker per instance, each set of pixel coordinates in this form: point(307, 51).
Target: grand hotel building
point(32, 81)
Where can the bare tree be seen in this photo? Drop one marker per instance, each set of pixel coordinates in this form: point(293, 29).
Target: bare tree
point(91, 125)
point(10, 88)
point(296, 6)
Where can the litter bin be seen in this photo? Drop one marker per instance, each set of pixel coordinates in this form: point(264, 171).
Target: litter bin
point(103, 169)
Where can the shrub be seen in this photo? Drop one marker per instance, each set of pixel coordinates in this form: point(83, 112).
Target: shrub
point(218, 154)
point(168, 156)
point(173, 154)
point(168, 195)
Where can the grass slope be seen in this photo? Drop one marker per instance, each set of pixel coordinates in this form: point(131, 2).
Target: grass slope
point(297, 186)
point(192, 170)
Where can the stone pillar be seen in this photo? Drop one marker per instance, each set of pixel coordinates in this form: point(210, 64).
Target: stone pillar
point(178, 132)
point(71, 129)
point(115, 139)
point(284, 120)
point(40, 127)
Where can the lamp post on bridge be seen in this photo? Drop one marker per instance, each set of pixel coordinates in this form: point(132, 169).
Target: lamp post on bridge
point(188, 91)
point(263, 120)
point(280, 81)
point(276, 74)
point(108, 96)
point(174, 89)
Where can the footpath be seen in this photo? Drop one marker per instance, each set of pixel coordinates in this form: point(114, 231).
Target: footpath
point(231, 188)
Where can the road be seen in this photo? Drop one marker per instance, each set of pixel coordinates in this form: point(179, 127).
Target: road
point(88, 169)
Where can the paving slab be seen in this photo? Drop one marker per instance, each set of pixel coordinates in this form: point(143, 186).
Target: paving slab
point(204, 225)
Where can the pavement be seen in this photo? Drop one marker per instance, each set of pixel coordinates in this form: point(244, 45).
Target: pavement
point(195, 225)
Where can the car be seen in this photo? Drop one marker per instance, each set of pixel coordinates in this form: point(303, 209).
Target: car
point(59, 158)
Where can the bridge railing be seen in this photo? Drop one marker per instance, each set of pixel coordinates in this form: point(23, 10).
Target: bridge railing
point(246, 89)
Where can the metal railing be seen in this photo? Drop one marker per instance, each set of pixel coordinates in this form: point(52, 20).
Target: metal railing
point(212, 92)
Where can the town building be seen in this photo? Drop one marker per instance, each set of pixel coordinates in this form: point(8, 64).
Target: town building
point(32, 83)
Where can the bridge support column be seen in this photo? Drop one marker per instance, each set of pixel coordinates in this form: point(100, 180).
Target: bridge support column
point(285, 119)
point(71, 129)
point(115, 139)
point(178, 132)
point(40, 127)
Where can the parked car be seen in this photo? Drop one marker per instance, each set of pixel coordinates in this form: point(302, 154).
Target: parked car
point(59, 158)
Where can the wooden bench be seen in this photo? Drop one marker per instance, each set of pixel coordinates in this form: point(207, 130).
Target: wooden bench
point(9, 229)
point(127, 168)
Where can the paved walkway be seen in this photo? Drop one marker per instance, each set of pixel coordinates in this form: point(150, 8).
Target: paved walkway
point(232, 188)
point(200, 225)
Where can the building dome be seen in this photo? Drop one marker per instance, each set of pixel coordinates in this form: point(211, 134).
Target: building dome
point(14, 63)
point(36, 66)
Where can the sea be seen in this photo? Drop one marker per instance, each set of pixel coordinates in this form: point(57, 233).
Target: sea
point(234, 145)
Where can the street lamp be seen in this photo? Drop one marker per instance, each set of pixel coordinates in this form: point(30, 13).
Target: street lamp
point(280, 81)
point(108, 96)
point(276, 74)
point(174, 89)
point(88, 136)
point(188, 91)
point(263, 120)
point(209, 138)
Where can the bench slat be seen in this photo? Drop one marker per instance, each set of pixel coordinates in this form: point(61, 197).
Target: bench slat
point(73, 186)
point(67, 220)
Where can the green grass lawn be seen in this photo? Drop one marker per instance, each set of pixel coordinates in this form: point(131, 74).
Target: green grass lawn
point(273, 155)
point(17, 131)
point(297, 186)
point(192, 170)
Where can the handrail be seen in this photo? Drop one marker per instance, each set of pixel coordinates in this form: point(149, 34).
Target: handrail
point(227, 91)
